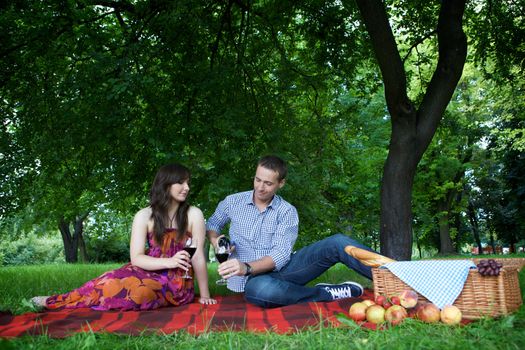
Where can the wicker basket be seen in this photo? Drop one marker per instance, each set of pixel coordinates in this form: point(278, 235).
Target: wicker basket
point(481, 296)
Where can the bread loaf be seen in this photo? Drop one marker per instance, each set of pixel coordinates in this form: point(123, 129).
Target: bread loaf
point(367, 257)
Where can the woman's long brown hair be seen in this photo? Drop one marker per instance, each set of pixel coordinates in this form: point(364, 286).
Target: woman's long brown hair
point(160, 200)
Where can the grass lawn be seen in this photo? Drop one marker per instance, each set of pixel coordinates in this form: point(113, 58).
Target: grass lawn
point(18, 284)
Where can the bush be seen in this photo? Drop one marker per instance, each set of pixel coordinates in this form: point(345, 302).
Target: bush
point(107, 249)
point(30, 249)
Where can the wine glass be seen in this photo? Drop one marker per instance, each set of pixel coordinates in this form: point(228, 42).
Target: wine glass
point(190, 248)
point(222, 253)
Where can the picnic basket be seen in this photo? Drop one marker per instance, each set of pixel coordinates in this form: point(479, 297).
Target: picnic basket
point(481, 296)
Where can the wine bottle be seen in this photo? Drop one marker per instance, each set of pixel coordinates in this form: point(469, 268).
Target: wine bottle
point(224, 242)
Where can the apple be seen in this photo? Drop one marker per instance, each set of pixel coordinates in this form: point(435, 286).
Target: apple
point(395, 300)
point(450, 314)
point(387, 304)
point(412, 312)
point(395, 314)
point(428, 313)
point(408, 298)
point(380, 300)
point(375, 314)
point(368, 302)
point(357, 311)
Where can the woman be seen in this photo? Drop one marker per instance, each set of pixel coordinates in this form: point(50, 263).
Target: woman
point(155, 276)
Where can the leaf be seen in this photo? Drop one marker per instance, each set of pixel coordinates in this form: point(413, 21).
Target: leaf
point(347, 321)
point(508, 322)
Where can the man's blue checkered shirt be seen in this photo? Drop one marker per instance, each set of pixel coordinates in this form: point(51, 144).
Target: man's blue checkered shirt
point(256, 234)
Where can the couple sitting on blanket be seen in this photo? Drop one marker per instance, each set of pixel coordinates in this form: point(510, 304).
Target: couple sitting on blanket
point(263, 265)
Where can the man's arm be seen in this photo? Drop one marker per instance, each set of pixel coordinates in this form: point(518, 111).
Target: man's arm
point(213, 237)
point(282, 245)
point(284, 238)
point(234, 267)
point(217, 221)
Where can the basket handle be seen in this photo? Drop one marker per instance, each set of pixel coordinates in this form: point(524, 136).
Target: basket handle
point(367, 257)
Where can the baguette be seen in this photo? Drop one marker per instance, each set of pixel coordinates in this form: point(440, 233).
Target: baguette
point(366, 257)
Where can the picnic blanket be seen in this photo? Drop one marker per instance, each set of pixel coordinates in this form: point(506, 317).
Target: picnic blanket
point(231, 313)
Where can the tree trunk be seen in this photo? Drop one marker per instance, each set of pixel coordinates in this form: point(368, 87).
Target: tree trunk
point(70, 242)
point(474, 225)
point(396, 200)
point(445, 242)
point(458, 223)
point(444, 206)
point(493, 243)
point(79, 233)
point(418, 245)
point(412, 130)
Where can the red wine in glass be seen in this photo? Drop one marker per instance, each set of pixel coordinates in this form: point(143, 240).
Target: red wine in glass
point(222, 257)
point(191, 250)
point(222, 254)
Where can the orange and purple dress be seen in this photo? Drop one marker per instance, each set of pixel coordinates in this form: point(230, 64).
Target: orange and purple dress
point(133, 288)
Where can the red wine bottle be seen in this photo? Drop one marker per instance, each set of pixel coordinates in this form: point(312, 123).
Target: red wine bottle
point(224, 242)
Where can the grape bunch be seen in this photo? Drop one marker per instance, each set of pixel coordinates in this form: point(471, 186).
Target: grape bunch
point(489, 267)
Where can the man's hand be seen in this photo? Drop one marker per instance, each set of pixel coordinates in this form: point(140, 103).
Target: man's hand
point(232, 267)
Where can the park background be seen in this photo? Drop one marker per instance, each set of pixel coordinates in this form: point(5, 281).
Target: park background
point(401, 122)
point(97, 95)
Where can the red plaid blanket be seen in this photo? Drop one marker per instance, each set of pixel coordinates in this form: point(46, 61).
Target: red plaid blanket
point(230, 313)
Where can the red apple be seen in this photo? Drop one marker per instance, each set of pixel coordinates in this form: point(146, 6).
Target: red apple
point(375, 314)
point(412, 312)
point(450, 314)
point(368, 302)
point(387, 304)
point(395, 300)
point(408, 298)
point(428, 313)
point(357, 311)
point(395, 314)
point(380, 300)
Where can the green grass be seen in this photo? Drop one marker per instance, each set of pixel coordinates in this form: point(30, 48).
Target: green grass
point(18, 284)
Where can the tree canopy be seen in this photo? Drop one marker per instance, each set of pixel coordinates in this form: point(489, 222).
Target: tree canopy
point(96, 95)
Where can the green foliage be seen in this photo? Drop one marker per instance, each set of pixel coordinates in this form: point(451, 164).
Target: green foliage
point(96, 97)
point(107, 235)
point(29, 250)
point(499, 47)
point(111, 248)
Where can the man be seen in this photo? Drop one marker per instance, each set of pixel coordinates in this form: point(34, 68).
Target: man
point(263, 228)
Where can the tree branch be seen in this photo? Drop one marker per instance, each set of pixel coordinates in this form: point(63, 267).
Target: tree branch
point(452, 43)
point(117, 5)
point(383, 42)
point(416, 44)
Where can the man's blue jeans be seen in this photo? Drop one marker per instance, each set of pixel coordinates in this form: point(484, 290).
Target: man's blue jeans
point(287, 286)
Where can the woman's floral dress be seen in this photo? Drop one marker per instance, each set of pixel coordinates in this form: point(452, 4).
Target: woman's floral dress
point(133, 288)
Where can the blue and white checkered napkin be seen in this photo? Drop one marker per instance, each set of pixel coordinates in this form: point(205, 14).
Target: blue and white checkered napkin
point(440, 281)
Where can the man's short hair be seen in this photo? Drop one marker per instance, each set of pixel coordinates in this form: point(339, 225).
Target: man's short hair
point(276, 164)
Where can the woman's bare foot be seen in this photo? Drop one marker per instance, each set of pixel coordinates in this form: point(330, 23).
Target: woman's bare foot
point(39, 301)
